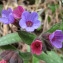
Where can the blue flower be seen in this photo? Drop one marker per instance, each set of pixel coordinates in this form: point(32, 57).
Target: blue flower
point(29, 21)
point(7, 16)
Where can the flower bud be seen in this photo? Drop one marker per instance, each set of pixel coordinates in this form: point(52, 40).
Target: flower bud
point(11, 56)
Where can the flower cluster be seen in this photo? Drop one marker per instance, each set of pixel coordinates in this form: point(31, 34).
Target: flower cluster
point(28, 21)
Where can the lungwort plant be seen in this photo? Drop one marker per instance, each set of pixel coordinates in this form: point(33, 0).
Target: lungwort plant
point(40, 47)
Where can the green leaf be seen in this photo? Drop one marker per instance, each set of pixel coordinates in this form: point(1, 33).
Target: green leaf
point(8, 47)
point(54, 27)
point(25, 56)
point(17, 37)
point(58, 26)
point(61, 26)
point(55, 57)
point(49, 19)
point(27, 37)
point(50, 57)
point(44, 57)
point(35, 60)
point(53, 7)
point(26, 61)
point(10, 39)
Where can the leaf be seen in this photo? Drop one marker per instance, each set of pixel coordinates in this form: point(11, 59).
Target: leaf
point(26, 61)
point(44, 57)
point(25, 56)
point(17, 37)
point(53, 7)
point(8, 47)
point(61, 26)
point(35, 60)
point(50, 57)
point(49, 19)
point(58, 26)
point(27, 37)
point(55, 57)
point(10, 39)
point(54, 27)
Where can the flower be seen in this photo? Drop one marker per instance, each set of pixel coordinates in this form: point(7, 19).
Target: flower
point(36, 47)
point(7, 16)
point(11, 56)
point(56, 38)
point(17, 12)
point(3, 61)
point(29, 21)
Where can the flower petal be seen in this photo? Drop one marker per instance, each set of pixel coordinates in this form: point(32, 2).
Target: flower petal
point(59, 35)
point(5, 13)
point(30, 16)
point(57, 44)
point(38, 52)
point(20, 8)
point(58, 31)
point(9, 10)
point(22, 23)
point(17, 12)
point(26, 15)
point(33, 16)
point(51, 36)
point(37, 24)
point(29, 29)
point(4, 20)
point(11, 18)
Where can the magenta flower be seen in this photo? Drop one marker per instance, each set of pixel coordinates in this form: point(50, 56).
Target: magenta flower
point(56, 38)
point(7, 16)
point(17, 12)
point(3, 61)
point(36, 47)
point(29, 21)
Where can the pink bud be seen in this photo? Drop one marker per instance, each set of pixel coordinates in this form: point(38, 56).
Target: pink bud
point(17, 12)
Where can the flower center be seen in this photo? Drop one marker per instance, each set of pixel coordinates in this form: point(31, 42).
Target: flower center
point(29, 23)
point(37, 45)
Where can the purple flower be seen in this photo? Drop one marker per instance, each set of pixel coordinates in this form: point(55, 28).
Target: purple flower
point(17, 12)
point(29, 21)
point(7, 16)
point(56, 38)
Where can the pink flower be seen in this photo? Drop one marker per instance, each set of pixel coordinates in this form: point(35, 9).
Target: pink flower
point(36, 47)
point(3, 61)
point(17, 12)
